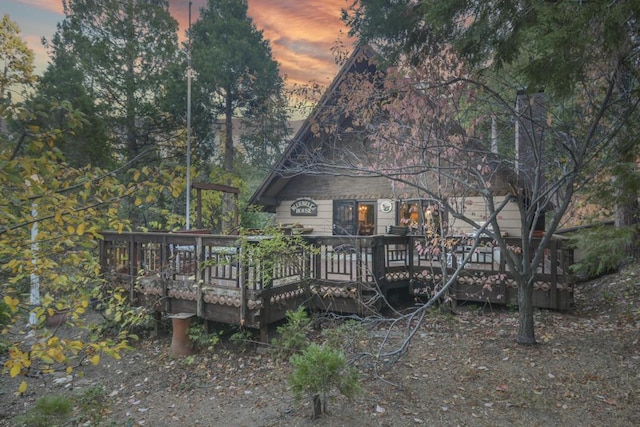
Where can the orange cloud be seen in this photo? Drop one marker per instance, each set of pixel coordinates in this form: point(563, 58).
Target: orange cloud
point(301, 35)
point(301, 32)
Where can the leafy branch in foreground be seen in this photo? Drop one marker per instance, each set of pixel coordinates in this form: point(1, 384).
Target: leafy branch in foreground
point(51, 217)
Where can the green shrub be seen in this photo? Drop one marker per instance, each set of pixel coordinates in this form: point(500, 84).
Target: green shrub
point(5, 314)
point(293, 335)
point(49, 411)
point(274, 254)
point(199, 336)
point(348, 336)
point(242, 338)
point(5, 317)
point(91, 403)
point(603, 249)
point(318, 370)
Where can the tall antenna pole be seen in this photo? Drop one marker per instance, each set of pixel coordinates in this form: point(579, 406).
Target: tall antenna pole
point(189, 72)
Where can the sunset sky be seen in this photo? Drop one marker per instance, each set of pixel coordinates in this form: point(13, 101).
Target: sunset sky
point(301, 32)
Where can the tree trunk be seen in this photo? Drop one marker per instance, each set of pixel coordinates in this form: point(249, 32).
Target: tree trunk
point(317, 406)
point(228, 140)
point(228, 225)
point(627, 209)
point(526, 332)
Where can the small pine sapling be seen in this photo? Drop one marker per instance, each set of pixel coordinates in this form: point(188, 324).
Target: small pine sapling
point(318, 370)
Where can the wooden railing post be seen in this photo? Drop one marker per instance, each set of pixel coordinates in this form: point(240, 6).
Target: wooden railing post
point(198, 275)
point(410, 253)
point(133, 270)
point(553, 260)
point(242, 284)
point(378, 259)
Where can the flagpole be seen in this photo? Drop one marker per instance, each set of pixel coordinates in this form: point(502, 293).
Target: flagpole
point(189, 72)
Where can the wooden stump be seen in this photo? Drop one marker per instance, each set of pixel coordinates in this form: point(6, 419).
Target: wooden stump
point(56, 319)
point(180, 343)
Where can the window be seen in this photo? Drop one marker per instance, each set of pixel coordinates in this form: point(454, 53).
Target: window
point(421, 216)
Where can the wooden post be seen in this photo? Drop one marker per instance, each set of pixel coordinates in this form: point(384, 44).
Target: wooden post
point(242, 284)
point(157, 323)
point(198, 275)
point(133, 271)
point(553, 260)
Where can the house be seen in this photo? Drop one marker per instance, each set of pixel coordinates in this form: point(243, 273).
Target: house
point(353, 220)
point(343, 204)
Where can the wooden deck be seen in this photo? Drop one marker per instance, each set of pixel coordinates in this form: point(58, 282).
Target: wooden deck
point(204, 274)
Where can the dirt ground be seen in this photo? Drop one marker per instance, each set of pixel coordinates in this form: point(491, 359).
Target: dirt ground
point(461, 369)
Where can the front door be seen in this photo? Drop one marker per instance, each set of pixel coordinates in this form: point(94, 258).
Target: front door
point(353, 218)
point(345, 221)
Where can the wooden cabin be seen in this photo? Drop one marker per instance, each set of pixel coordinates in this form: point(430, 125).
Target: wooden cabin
point(335, 204)
point(367, 235)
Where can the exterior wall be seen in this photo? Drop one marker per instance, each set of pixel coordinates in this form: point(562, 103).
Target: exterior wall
point(474, 207)
point(328, 187)
point(321, 224)
point(385, 219)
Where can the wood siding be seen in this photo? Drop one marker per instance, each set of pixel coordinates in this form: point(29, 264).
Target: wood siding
point(336, 188)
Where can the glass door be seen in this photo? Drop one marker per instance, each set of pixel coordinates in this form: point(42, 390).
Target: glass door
point(344, 218)
point(366, 218)
point(351, 217)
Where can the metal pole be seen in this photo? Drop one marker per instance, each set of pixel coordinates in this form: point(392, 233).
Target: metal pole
point(189, 72)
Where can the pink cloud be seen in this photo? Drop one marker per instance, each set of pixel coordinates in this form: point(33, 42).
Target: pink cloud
point(301, 32)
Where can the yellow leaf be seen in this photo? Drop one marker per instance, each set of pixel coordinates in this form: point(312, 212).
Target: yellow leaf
point(95, 359)
point(80, 229)
point(23, 387)
point(12, 303)
point(69, 369)
point(70, 229)
point(15, 370)
point(138, 201)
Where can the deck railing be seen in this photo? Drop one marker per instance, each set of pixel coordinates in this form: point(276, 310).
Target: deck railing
point(344, 267)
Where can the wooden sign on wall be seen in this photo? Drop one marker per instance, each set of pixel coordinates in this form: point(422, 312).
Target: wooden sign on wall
point(304, 207)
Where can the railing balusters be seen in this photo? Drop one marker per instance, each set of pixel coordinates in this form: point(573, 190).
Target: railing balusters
point(215, 261)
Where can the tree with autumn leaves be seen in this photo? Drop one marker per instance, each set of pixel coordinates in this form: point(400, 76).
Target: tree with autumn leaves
point(50, 220)
point(503, 102)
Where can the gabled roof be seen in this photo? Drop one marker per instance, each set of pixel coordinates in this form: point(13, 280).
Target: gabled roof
point(266, 193)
